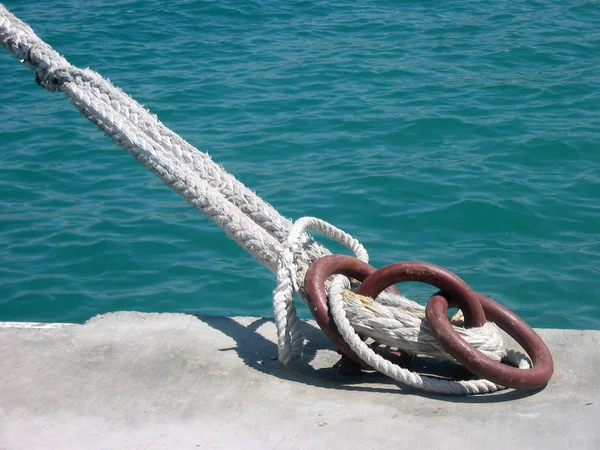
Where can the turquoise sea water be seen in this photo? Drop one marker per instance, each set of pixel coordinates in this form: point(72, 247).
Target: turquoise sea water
point(462, 133)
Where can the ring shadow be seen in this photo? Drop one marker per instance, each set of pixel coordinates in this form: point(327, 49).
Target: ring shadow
point(260, 354)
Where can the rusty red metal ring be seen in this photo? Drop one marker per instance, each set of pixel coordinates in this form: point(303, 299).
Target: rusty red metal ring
point(316, 296)
point(481, 365)
point(457, 290)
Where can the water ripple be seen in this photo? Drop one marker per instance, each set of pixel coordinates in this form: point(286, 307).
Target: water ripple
point(455, 133)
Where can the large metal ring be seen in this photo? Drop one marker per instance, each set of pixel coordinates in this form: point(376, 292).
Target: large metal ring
point(477, 362)
point(457, 290)
point(316, 296)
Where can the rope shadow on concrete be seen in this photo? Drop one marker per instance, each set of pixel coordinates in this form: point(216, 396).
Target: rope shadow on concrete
point(260, 353)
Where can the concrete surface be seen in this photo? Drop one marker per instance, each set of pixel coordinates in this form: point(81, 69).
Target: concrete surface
point(144, 381)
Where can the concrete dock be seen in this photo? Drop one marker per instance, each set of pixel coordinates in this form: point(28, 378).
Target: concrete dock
point(172, 381)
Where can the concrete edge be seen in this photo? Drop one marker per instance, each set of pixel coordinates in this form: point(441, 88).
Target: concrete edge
point(57, 325)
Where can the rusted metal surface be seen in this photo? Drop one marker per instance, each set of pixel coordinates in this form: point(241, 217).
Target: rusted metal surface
point(458, 292)
point(513, 377)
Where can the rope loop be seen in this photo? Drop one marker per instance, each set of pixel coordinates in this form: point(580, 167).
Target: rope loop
point(290, 341)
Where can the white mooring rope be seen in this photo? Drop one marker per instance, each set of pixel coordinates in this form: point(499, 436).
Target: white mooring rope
point(281, 246)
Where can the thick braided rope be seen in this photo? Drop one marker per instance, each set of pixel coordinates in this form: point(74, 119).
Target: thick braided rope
point(52, 71)
point(109, 107)
point(398, 322)
point(175, 174)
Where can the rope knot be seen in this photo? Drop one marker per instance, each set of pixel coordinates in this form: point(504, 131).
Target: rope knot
point(51, 74)
point(53, 78)
point(290, 280)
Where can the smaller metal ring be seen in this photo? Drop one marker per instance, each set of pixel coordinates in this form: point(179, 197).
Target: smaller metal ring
point(458, 291)
point(316, 296)
point(481, 365)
